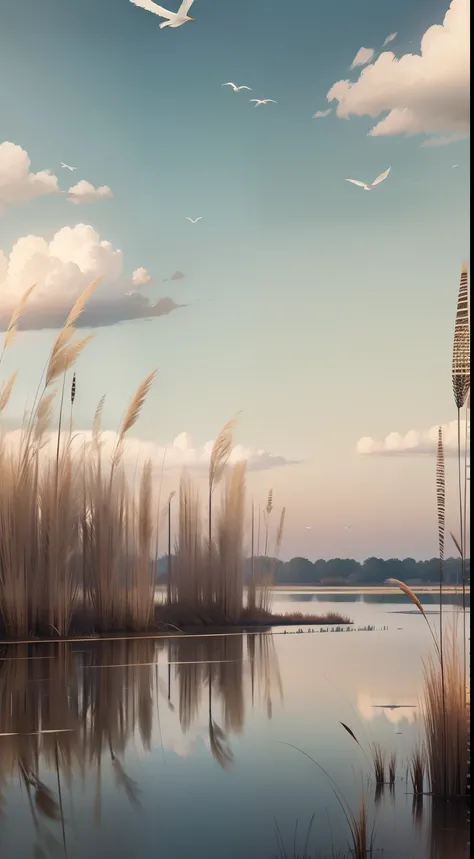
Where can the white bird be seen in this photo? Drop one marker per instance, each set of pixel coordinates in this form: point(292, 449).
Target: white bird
point(455, 165)
point(194, 220)
point(263, 101)
point(346, 527)
point(308, 527)
point(369, 186)
point(173, 19)
point(235, 87)
point(68, 167)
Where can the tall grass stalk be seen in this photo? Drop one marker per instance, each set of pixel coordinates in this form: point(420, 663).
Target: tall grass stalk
point(461, 380)
point(70, 520)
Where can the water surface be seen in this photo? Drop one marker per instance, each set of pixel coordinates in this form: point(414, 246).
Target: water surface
point(177, 747)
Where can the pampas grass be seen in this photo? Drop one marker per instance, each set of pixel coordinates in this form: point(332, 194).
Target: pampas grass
point(78, 541)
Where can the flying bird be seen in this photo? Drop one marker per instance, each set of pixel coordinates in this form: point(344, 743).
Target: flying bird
point(263, 101)
point(173, 19)
point(308, 527)
point(194, 220)
point(235, 87)
point(346, 527)
point(68, 167)
point(369, 186)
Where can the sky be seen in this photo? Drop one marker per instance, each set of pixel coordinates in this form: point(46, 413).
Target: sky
point(321, 315)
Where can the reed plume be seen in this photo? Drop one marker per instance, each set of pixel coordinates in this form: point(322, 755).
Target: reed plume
point(12, 327)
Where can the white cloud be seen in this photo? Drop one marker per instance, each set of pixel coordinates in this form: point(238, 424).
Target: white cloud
point(140, 277)
point(389, 39)
point(413, 442)
point(61, 270)
point(84, 192)
point(421, 94)
point(17, 183)
point(180, 453)
point(320, 114)
point(363, 56)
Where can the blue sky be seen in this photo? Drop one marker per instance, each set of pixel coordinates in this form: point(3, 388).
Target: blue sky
point(324, 312)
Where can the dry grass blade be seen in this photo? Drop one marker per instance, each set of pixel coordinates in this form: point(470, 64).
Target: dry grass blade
point(408, 591)
point(351, 733)
point(414, 599)
point(96, 426)
point(136, 404)
point(378, 760)
point(392, 768)
point(13, 324)
point(279, 536)
point(43, 414)
point(6, 391)
point(62, 359)
point(456, 543)
point(417, 770)
point(440, 499)
point(461, 367)
point(220, 453)
point(78, 307)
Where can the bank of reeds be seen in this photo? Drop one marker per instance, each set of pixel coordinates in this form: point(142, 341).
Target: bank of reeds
point(78, 540)
point(445, 704)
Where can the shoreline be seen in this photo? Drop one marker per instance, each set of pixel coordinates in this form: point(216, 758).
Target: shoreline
point(367, 589)
point(244, 627)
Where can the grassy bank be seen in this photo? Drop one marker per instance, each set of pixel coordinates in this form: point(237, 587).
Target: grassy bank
point(175, 619)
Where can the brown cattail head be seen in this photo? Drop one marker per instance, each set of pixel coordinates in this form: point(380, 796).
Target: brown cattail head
point(73, 389)
point(461, 365)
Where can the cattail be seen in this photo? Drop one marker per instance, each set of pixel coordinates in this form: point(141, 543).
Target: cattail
point(73, 389)
point(461, 366)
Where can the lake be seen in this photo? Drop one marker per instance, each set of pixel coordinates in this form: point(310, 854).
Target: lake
point(177, 747)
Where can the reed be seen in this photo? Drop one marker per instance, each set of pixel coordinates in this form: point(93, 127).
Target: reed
point(78, 540)
point(418, 769)
point(392, 768)
point(378, 762)
point(445, 705)
point(461, 382)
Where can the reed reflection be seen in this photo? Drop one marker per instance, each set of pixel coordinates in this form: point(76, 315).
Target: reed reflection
point(72, 709)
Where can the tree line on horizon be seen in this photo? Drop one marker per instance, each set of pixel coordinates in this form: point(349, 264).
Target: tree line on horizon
point(347, 571)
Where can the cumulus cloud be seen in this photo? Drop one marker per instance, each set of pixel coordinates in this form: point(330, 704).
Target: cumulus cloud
point(84, 192)
point(413, 442)
point(427, 93)
point(17, 183)
point(389, 39)
point(140, 277)
point(182, 452)
point(61, 270)
point(320, 114)
point(363, 56)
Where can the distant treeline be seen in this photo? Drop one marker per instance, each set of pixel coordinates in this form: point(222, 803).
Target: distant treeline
point(346, 571)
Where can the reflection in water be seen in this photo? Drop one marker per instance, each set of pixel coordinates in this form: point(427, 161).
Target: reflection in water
point(69, 713)
point(75, 715)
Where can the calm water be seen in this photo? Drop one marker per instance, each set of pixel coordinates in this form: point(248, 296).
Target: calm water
point(175, 747)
